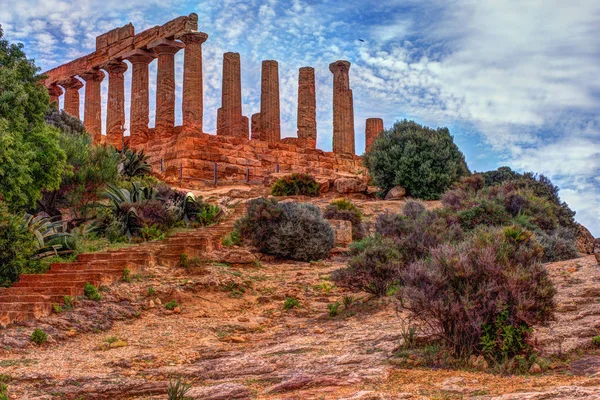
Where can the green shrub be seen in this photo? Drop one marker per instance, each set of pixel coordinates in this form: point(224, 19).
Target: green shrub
point(134, 163)
point(38, 336)
point(296, 184)
point(343, 209)
point(423, 161)
point(126, 275)
point(413, 209)
point(153, 232)
point(171, 305)
point(288, 230)
point(290, 302)
point(17, 246)
point(375, 269)
point(482, 295)
point(3, 392)
point(596, 341)
point(233, 238)
point(151, 291)
point(91, 292)
point(333, 309)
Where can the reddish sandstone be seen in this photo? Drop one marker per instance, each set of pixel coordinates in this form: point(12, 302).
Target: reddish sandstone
point(115, 113)
point(307, 107)
point(373, 127)
point(92, 111)
point(343, 109)
point(71, 100)
point(230, 121)
point(192, 106)
point(139, 116)
point(270, 125)
point(165, 83)
point(55, 92)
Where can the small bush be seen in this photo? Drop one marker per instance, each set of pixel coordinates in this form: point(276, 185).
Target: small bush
point(151, 291)
point(126, 275)
point(171, 305)
point(153, 232)
point(374, 270)
point(475, 293)
point(596, 341)
point(290, 302)
point(413, 209)
point(38, 336)
point(288, 230)
point(17, 246)
point(558, 246)
point(91, 292)
point(333, 309)
point(422, 160)
point(344, 210)
point(296, 184)
point(69, 302)
point(233, 238)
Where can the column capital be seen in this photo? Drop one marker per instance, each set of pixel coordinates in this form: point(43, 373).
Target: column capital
point(193, 37)
point(54, 90)
point(139, 56)
point(71, 83)
point(115, 67)
point(339, 66)
point(165, 46)
point(95, 75)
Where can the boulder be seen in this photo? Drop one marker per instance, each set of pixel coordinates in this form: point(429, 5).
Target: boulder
point(350, 185)
point(597, 250)
point(233, 255)
point(396, 193)
point(342, 230)
point(584, 241)
point(323, 184)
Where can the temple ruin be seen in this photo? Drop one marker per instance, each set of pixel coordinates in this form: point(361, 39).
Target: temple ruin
point(241, 148)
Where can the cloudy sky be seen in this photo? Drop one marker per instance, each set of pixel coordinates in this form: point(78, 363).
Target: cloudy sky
point(516, 81)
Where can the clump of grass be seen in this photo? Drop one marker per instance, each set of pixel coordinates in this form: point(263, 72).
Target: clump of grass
point(333, 309)
point(596, 341)
point(151, 291)
point(91, 292)
point(290, 302)
point(234, 238)
point(171, 305)
point(38, 336)
point(178, 389)
point(126, 275)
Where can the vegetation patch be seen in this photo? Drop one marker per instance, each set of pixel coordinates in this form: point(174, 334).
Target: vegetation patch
point(296, 184)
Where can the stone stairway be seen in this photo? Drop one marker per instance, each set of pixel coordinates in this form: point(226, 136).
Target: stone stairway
point(33, 295)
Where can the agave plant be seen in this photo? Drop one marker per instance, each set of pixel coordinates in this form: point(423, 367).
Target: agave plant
point(122, 203)
point(134, 163)
point(52, 236)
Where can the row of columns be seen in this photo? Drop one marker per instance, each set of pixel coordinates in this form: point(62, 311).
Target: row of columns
point(266, 124)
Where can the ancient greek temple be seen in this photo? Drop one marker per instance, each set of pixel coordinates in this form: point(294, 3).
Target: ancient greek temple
point(241, 146)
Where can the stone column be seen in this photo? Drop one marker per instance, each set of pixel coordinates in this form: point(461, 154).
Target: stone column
point(115, 113)
point(55, 92)
point(307, 107)
point(92, 111)
point(343, 109)
point(165, 85)
point(373, 127)
point(230, 121)
point(139, 111)
point(192, 107)
point(72, 86)
point(269, 102)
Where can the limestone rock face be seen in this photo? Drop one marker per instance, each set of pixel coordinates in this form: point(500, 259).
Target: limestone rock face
point(342, 230)
point(396, 193)
point(350, 185)
point(584, 242)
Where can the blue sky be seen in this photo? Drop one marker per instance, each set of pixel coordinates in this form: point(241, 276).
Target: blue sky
point(517, 82)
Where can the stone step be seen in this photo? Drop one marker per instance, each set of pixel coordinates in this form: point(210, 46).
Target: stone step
point(75, 275)
point(31, 298)
point(55, 284)
point(40, 308)
point(46, 290)
point(9, 317)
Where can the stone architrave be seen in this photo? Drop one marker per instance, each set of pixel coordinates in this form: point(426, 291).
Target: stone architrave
point(373, 127)
point(192, 107)
point(230, 121)
point(71, 100)
point(307, 107)
point(165, 85)
point(55, 92)
point(92, 110)
point(115, 112)
point(139, 112)
point(343, 109)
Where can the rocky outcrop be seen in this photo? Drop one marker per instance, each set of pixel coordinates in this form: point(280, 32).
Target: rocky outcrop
point(350, 185)
point(396, 193)
point(584, 241)
point(597, 250)
point(342, 231)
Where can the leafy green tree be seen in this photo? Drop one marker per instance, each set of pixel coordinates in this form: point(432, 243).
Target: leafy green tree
point(17, 245)
point(30, 156)
point(422, 160)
